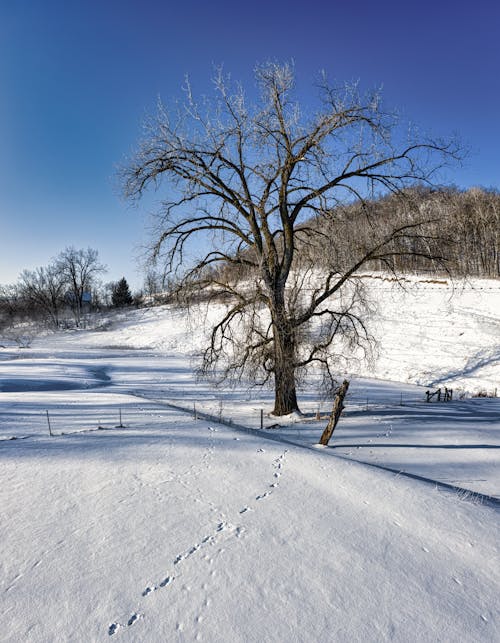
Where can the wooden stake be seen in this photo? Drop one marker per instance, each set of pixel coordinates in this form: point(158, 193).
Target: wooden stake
point(48, 422)
point(338, 407)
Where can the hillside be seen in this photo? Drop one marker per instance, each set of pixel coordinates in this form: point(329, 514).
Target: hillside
point(428, 331)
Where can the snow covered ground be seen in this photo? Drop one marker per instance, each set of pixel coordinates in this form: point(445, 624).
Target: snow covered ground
point(181, 529)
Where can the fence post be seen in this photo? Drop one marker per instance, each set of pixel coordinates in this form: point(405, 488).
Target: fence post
point(338, 407)
point(48, 422)
point(261, 419)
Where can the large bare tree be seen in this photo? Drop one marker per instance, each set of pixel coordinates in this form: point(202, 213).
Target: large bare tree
point(266, 182)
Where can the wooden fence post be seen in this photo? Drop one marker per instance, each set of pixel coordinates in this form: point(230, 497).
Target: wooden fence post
point(48, 422)
point(338, 407)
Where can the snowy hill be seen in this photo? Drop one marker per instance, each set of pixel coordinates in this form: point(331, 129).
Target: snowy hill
point(136, 521)
point(429, 332)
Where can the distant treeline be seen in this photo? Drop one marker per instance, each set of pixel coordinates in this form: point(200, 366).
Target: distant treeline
point(420, 230)
point(61, 293)
point(459, 229)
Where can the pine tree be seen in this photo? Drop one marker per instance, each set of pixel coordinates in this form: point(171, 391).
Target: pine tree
point(121, 295)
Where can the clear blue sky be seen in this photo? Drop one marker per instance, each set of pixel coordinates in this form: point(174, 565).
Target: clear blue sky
point(78, 76)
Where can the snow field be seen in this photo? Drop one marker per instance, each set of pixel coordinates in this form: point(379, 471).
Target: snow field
point(194, 532)
point(177, 529)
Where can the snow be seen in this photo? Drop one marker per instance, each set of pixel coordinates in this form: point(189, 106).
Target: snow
point(182, 529)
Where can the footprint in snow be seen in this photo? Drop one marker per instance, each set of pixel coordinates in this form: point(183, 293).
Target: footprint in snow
point(133, 618)
point(112, 629)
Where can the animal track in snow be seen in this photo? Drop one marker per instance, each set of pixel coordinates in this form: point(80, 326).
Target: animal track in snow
point(211, 539)
point(149, 589)
point(278, 466)
point(133, 618)
point(114, 627)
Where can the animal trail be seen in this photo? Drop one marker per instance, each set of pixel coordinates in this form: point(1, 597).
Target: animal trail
point(222, 531)
point(278, 464)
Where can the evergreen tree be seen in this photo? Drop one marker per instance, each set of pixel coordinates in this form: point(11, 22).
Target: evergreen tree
point(121, 295)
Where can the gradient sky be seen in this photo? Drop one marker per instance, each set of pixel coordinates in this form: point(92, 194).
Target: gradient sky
point(78, 76)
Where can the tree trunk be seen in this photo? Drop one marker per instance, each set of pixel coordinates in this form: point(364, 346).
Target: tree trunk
point(285, 394)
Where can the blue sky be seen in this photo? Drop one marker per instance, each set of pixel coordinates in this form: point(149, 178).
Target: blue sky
point(77, 77)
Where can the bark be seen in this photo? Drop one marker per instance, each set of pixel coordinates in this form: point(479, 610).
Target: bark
point(285, 400)
point(285, 394)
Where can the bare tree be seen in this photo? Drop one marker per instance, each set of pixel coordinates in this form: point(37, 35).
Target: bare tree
point(254, 177)
point(79, 269)
point(44, 288)
point(12, 306)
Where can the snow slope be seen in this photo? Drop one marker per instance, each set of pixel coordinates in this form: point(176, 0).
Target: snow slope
point(182, 529)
